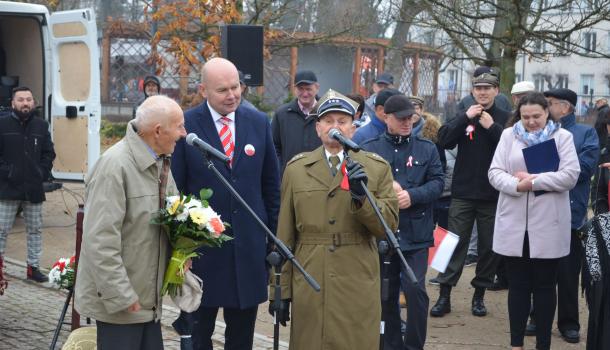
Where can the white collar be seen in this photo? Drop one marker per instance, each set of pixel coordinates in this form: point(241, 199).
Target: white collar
point(216, 116)
point(328, 155)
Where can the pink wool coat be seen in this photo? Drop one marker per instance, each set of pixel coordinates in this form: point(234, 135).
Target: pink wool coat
point(548, 215)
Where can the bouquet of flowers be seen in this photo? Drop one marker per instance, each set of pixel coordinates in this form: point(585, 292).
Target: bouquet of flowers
point(190, 223)
point(62, 273)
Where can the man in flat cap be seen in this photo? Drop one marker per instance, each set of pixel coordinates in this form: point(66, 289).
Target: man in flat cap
point(244, 92)
point(476, 132)
point(520, 89)
point(418, 118)
point(383, 81)
point(418, 182)
point(326, 219)
point(294, 131)
point(562, 103)
point(377, 124)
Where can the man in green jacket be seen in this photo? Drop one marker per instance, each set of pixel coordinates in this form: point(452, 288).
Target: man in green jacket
point(124, 257)
point(330, 225)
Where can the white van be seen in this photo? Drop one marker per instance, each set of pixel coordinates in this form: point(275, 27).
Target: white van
point(56, 55)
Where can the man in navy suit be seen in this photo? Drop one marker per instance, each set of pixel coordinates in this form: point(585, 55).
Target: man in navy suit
point(234, 276)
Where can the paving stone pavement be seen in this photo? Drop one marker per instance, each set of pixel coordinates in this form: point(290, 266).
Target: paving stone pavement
point(29, 313)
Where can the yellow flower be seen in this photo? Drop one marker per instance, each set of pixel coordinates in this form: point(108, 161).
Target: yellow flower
point(174, 207)
point(198, 216)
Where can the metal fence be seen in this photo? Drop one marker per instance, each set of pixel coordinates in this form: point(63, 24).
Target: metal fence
point(130, 64)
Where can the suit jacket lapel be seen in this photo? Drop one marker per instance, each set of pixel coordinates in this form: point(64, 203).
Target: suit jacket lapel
point(241, 134)
point(207, 127)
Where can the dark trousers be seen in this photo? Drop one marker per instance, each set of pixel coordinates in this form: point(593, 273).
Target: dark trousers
point(239, 333)
point(142, 336)
point(527, 277)
point(441, 212)
point(567, 287)
point(462, 214)
point(417, 302)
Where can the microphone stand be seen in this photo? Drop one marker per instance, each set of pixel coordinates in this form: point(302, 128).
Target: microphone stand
point(385, 254)
point(275, 259)
point(391, 238)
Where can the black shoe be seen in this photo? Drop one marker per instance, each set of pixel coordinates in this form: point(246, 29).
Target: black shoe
point(571, 336)
point(443, 304)
point(471, 260)
point(434, 281)
point(498, 285)
point(478, 304)
point(34, 274)
point(530, 329)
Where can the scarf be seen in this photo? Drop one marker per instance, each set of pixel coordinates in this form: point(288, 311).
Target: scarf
point(535, 137)
point(597, 237)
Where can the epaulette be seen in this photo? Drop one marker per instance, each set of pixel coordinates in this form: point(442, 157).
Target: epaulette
point(297, 157)
point(375, 156)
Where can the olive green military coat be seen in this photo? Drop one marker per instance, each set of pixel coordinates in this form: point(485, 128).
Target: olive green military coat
point(335, 242)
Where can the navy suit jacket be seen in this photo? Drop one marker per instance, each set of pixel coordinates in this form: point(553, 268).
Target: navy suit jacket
point(234, 275)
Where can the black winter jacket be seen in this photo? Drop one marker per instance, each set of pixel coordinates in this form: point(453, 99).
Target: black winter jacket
point(474, 155)
point(293, 132)
point(26, 158)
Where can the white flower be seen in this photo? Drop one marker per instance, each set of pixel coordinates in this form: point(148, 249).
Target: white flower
point(183, 215)
point(193, 203)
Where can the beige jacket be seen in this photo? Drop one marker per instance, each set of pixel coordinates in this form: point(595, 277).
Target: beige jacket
point(123, 256)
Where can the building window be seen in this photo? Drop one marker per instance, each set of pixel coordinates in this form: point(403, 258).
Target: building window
point(564, 47)
point(539, 46)
point(562, 81)
point(539, 82)
point(586, 84)
point(453, 78)
point(590, 41)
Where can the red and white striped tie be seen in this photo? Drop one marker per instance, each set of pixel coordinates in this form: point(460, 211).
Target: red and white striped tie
point(226, 138)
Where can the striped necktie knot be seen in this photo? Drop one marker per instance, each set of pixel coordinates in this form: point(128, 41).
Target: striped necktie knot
point(226, 137)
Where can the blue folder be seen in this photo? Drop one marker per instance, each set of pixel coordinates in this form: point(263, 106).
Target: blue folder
point(541, 158)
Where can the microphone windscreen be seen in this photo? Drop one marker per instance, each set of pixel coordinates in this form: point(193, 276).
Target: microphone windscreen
point(190, 138)
point(332, 132)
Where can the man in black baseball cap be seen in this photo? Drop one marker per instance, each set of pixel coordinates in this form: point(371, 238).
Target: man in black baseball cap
point(418, 182)
point(376, 125)
point(294, 131)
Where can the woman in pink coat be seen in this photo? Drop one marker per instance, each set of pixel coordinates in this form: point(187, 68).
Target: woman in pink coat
point(532, 231)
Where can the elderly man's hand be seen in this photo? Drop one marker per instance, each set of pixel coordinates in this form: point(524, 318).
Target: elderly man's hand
point(135, 307)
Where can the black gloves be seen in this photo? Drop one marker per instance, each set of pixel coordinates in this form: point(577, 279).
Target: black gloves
point(283, 314)
point(356, 175)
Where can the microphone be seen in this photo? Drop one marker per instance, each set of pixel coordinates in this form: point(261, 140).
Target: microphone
point(344, 141)
point(204, 147)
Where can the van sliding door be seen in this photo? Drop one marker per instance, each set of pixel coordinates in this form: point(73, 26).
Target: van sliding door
point(75, 90)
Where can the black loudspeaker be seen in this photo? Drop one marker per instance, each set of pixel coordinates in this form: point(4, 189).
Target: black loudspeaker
point(243, 45)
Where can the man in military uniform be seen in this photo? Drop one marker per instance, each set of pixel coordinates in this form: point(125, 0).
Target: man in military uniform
point(326, 219)
point(418, 182)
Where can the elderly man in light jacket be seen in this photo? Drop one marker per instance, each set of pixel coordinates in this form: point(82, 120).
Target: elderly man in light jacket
point(124, 257)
